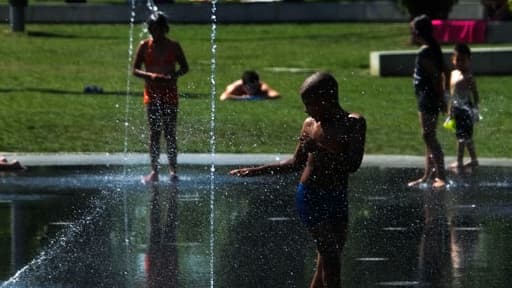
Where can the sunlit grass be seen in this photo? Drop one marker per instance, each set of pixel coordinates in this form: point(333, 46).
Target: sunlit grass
point(45, 70)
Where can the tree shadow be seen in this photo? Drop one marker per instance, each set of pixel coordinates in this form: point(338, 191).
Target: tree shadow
point(192, 95)
point(185, 95)
point(67, 92)
point(49, 34)
point(46, 34)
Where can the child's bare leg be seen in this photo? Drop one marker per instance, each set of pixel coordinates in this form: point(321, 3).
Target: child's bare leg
point(332, 270)
point(458, 164)
point(472, 154)
point(438, 159)
point(172, 173)
point(434, 158)
point(461, 146)
point(153, 175)
point(154, 115)
point(317, 282)
point(330, 239)
point(429, 136)
point(169, 123)
point(428, 173)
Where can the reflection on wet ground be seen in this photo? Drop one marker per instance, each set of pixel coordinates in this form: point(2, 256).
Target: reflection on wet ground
point(100, 227)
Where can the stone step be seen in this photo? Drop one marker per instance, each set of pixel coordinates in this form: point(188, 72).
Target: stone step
point(485, 61)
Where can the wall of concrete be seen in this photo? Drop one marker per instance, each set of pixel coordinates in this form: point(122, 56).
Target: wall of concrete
point(273, 12)
point(262, 12)
point(485, 61)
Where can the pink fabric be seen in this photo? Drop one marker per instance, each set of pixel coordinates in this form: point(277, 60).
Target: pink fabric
point(452, 31)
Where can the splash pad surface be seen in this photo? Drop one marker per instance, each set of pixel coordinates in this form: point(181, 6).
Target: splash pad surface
point(97, 226)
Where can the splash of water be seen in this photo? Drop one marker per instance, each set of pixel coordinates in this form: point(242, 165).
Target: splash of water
point(61, 248)
point(213, 93)
point(126, 130)
point(128, 77)
point(151, 6)
point(70, 234)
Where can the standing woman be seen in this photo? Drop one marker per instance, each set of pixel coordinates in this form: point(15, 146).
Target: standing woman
point(156, 62)
point(431, 80)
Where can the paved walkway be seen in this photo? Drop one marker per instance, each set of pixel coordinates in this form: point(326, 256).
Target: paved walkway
point(78, 159)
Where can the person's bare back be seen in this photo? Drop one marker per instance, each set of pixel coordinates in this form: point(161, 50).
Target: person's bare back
point(332, 148)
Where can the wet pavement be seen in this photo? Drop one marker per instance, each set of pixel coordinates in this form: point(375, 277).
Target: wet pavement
point(98, 226)
point(95, 158)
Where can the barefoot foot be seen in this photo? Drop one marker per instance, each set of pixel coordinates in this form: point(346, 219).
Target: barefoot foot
point(439, 183)
point(416, 182)
point(471, 163)
point(151, 177)
point(455, 165)
point(456, 169)
point(172, 175)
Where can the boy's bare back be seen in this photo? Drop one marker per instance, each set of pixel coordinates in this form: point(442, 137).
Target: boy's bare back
point(334, 149)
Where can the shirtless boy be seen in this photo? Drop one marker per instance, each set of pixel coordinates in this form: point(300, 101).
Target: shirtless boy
point(331, 146)
point(249, 87)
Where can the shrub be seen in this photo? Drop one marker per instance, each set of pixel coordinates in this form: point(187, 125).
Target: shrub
point(435, 9)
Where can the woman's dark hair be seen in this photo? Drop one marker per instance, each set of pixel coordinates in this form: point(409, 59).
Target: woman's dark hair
point(422, 27)
point(158, 19)
point(462, 49)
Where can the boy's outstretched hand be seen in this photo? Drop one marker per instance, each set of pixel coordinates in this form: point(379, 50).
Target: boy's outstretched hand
point(243, 172)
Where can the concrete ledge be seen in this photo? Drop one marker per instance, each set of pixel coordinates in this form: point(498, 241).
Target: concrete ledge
point(220, 159)
point(499, 32)
point(486, 61)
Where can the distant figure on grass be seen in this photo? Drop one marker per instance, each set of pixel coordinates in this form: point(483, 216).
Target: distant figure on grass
point(330, 147)
point(159, 56)
point(8, 166)
point(431, 79)
point(249, 87)
point(463, 105)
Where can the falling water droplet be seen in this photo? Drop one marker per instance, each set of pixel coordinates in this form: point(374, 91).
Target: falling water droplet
point(212, 134)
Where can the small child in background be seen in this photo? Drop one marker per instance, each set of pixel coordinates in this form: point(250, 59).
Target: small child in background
point(160, 61)
point(13, 165)
point(463, 105)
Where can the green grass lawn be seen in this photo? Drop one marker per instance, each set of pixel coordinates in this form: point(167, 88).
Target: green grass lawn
point(44, 71)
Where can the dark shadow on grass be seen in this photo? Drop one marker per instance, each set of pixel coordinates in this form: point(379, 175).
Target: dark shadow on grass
point(49, 34)
point(45, 34)
point(187, 95)
point(66, 92)
point(192, 95)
